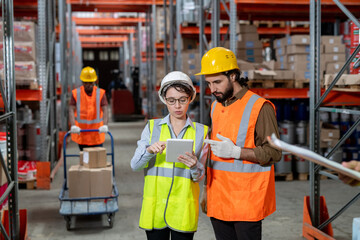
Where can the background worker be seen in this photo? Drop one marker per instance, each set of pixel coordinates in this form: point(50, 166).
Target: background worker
point(170, 204)
point(88, 110)
point(240, 176)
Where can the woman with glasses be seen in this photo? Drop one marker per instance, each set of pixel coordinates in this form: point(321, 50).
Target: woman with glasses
point(170, 204)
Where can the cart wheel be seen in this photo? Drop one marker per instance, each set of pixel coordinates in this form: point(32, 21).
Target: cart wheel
point(68, 222)
point(111, 219)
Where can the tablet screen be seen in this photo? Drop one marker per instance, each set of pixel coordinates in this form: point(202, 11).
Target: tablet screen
point(177, 147)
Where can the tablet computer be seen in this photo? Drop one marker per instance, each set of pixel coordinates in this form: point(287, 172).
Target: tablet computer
point(313, 157)
point(177, 147)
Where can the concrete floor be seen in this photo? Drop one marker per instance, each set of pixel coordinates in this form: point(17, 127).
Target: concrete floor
point(45, 222)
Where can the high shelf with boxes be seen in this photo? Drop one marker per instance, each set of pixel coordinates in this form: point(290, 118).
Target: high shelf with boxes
point(142, 17)
point(34, 75)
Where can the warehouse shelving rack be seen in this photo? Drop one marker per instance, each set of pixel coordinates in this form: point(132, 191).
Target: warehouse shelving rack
point(46, 94)
point(8, 95)
point(319, 98)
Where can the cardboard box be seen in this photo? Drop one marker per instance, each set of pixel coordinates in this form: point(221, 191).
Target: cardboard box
point(249, 52)
point(329, 135)
point(94, 157)
point(284, 75)
point(281, 51)
point(299, 66)
point(191, 61)
point(101, 182)
point(295, 49)
point(3, 179)
point(333, 67)
point(281, 65)
point(250, 40)
point(90, 156)
point(101, 157)
point(331, 57)
point(345, 80)
point(298, 40)
point(24, 31)
point(253, 59)
point(299, 58)
point(245, 66)
point(334, 48)
point(246, 28)
point(189, 43)
point(261, 74)
point(281, 42)
point(79, 182)
point(81, 158)
point(302, 75)
point(24, 51)
point(331, 39)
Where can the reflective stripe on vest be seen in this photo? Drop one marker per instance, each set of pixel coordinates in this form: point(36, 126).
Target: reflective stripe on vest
point(168, 187)
point(168, 172)
point(238, 165)
point(78, 107)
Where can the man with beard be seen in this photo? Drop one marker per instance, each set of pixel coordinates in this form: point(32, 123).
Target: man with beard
point(88, 110)
point(240, 182)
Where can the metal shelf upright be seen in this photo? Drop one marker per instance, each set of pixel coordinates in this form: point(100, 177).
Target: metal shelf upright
point(316, 106)
point(46, 56)
point(8, 93)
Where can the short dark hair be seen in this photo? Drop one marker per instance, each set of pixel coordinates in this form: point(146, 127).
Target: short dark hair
point(241, 80)
point(179, 86)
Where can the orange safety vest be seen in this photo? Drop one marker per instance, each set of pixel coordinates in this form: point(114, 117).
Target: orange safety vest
point(88, 115)
point(239, 190)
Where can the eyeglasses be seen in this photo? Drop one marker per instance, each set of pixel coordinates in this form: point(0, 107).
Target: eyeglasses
point(182, 100)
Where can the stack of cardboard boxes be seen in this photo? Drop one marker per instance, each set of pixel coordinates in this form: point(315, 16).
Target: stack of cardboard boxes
point(190, 57)
point(334, 55)
point(92, 177)
point(25, 53)
point(293, 53)
point(248, 45)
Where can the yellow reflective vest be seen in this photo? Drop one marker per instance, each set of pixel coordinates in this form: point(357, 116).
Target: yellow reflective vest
point(171, 198)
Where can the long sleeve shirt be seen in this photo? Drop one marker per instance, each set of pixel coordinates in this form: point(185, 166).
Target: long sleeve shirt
point(142, 156)
point(266, 125)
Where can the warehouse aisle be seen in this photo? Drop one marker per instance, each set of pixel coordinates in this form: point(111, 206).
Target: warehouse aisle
point(45, 222)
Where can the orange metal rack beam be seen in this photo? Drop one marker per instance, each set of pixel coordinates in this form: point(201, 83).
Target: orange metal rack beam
point(105, 31)
point(106, 39)
point(101, 45)
point(117, 2)
point(123, 21)
point(196, 30)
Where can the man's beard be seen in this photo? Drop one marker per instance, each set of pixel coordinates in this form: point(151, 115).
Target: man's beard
point(229, 92)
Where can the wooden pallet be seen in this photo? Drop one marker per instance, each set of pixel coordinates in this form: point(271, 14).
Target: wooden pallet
point(190, 24)
point(302, 83)
point(27, 85)
point(348, 88)
point(284, 176)
point(270, 24)
point(27, 184)
point(304, 24)
point(303, 176)
point(271, 83)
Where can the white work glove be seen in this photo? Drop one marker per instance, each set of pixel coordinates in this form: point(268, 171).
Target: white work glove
point(75, 129)
point(224, 148)
point(103, 129)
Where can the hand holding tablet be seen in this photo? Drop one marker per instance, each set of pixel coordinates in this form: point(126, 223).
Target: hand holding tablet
point(177, 147)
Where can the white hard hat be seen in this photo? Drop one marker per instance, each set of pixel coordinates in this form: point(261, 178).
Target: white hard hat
point(176, 77)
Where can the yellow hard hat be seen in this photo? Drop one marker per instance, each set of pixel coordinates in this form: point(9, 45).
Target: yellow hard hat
point(88, 74)
point(218, 60)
